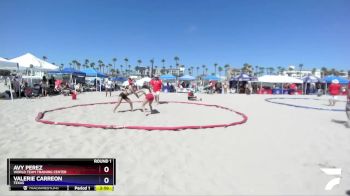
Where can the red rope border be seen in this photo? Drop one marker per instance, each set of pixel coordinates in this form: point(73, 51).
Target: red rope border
point(40, 116)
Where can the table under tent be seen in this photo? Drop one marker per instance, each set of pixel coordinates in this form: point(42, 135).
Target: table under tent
point(273, 84)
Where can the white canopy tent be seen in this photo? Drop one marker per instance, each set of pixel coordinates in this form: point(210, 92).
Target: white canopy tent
point(279, 79)
point(143, 80)
point(25, 61)
point(8, 65)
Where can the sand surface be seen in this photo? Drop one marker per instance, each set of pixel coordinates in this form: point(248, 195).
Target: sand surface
point(280, 149)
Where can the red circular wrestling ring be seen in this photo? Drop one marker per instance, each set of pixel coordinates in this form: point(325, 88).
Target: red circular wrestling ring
point(41, 115)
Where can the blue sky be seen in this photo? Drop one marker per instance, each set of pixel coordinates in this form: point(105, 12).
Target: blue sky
point(266, 33)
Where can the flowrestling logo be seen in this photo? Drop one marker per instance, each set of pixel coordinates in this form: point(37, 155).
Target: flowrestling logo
point(332, 172)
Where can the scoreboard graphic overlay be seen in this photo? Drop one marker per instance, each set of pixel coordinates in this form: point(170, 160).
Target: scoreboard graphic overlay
point(61, 174)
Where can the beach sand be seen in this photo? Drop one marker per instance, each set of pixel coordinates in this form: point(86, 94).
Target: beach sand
point(278, 151)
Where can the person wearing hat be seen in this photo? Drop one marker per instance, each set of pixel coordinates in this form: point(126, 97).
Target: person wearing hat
point(156, 84)
point(334, 90)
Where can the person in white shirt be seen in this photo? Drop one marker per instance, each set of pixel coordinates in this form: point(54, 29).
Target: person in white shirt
point(108, 87)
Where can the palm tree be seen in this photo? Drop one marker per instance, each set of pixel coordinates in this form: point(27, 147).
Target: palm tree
point(126, 62)
point(114, 60)
point(61, 67)
point(86, 64)
point(279, 70)
point(103, 67)
point(92, 65)
point(113, 72)
point(44, 58)
point(129, 69)
point(100, 62)
point(74, 62)
point(189, 71)
point(163, 61)
point(261, 70)
point(152, 62)
point(203, 67)
point(121, 69)
point(220, 70)
point(78, 65)
point(155, 69)
point(256, 70)
point(109, 69)
point(139, 62)
point(197, 69)
point(206, 70)
point(177, 59)
point(215, 65)
point(300, 67)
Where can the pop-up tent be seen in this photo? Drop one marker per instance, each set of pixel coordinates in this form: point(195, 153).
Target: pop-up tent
point(329, 79)
point(119, 79)
point(7, 65)
point(68, 71)
point(187, 77)
point(243, 77)
point(211, 77)
point(93, 73)
point(279, 79)
point(167, 77)
point(28, 61)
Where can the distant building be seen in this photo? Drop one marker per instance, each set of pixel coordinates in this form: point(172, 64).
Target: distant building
point(296, 73)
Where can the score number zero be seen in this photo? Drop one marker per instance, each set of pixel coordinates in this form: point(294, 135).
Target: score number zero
point(106, 170)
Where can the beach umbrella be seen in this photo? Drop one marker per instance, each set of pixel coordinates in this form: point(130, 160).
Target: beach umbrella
point(187, 78)
point(167, 77)
point(210, 77)
point(125, 83)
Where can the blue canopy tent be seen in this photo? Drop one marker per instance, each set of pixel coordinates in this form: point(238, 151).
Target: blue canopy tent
point(94, 73)
point(167, 77)
point(309, 79)
point(328, 79)
point(187, 78)
point(68, 71)
point(119, 79)
point(74, 74)
point(243, 77)
point(211, 77)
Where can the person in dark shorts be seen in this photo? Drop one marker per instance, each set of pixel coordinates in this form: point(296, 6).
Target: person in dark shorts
point(124, 95)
